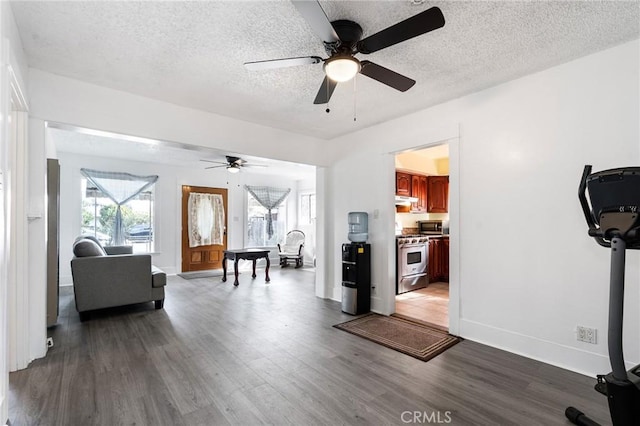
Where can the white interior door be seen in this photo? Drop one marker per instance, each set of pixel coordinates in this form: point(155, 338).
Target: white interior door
point(4, 371)
point(4, 232)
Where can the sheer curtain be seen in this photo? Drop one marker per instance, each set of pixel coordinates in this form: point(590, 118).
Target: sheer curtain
point(120, 188)
point(269, 197)
point(206, 219)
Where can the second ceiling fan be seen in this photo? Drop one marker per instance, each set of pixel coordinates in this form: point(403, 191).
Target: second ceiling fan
point(342, 41)
point(233, 164)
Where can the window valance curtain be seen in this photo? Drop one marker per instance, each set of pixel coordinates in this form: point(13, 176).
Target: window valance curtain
point(269, 197)
point(120, 188)
point(206, 219)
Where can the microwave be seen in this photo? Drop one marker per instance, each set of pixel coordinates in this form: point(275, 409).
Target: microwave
point(433, 227)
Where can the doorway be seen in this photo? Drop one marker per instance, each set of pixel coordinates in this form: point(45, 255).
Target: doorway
point(204, 227)
point(423, 175)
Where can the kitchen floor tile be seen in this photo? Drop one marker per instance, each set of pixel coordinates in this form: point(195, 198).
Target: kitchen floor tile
point(430, 304)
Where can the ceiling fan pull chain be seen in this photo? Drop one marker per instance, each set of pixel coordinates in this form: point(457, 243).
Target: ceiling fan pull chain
point(355, 94)
point(328, 110)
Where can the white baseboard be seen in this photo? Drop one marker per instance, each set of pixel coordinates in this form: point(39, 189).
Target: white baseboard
point(169, 270)
point(563, 356)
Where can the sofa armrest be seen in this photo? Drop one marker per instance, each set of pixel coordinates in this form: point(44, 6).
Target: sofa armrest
point(158, 277)
point(111, 250)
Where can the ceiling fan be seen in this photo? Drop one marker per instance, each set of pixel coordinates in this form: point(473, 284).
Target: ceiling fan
point(233, 164)
point(342, 41)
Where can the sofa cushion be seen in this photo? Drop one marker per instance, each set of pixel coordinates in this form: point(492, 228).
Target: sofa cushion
point(86, 247)
point(158, 277)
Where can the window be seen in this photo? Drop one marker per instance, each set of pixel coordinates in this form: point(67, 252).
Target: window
point(99, 212)
point(257, 235)
point(307, 212)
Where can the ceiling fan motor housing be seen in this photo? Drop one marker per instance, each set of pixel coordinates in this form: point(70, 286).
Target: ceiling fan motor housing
point(350, 34)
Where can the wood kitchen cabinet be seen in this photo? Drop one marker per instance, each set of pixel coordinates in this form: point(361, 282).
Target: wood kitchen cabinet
point(432, 192)
point(419, 186)
point(435, 262)
point(438, 190)
point(438, 267)
point(445, 259)
point(403, 184)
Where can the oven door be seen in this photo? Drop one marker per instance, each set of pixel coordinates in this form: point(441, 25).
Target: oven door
point(412, 259)
point(412, 267)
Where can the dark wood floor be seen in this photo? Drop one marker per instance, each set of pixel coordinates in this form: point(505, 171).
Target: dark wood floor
point(268, 354)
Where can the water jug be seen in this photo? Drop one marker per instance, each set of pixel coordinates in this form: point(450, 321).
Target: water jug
point(358, 227)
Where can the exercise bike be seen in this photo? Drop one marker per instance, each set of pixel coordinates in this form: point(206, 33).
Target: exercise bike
point(613, 216)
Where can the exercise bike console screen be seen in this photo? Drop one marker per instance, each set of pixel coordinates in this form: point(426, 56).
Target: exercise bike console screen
point(614, 190)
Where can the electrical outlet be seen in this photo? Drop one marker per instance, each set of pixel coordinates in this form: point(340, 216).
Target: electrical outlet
point(586, 334)
point(50, 342)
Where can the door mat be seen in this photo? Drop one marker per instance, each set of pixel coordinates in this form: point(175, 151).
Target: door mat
point(202, 274)
point(417, 340)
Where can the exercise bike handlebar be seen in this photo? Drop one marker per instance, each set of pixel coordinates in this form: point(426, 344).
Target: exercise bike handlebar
point(594, 231)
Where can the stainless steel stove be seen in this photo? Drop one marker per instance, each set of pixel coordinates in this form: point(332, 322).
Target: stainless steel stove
point(413, 260)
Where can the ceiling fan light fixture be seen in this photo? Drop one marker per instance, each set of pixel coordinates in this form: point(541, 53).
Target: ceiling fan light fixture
point(233, 168)
point(341, 68)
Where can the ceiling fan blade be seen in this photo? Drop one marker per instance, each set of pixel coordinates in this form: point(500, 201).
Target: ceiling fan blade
point(326, 90)
point(282, 63)
point(212, 161)
point(254, 165)
point(386, 76)
point(429, 20)
point(312, 12)
point(215, 167)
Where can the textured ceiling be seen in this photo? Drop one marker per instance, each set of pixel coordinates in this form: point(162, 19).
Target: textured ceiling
point(191, 53)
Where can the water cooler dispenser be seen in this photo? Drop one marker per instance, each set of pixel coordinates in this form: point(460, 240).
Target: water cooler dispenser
point(356, 267)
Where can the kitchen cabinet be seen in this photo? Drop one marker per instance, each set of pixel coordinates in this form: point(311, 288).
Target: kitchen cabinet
point(438, 190)
point(435, 263)
point(403, 184)
point(412, 185)
point(419, 185)
point(432, 192)
point(438, 267)
point(445, 259)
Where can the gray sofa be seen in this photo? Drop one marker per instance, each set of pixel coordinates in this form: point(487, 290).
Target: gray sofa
point(105, 277)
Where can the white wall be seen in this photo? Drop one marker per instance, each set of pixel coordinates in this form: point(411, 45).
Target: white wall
point(528, 273)
point(167, 255)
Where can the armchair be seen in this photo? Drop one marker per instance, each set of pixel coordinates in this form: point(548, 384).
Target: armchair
point(103, 280)
point(292, 248)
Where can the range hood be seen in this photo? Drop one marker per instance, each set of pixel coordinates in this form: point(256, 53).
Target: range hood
point(405, 201)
